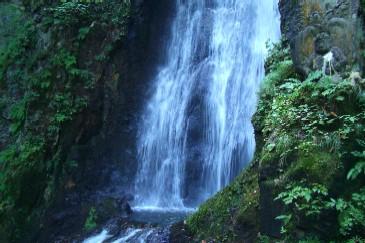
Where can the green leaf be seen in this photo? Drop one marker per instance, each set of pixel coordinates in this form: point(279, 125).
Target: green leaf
point(356, 171)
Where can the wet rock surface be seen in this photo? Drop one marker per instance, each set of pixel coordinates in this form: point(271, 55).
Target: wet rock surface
point(141, 226)
point(315, 28)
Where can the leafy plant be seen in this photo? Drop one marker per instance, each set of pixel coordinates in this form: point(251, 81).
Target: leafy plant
point(359, 168)
point(309, 201)
point(83, 32)
point(18, 115)
point(69, 13)
point(90, 222)
point(351, 217)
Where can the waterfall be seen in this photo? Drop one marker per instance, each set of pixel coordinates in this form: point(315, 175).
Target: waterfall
point(195, 132)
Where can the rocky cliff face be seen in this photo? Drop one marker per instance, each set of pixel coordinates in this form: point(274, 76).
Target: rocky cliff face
point(101, 56)
point(107, 158)
point(315, 28)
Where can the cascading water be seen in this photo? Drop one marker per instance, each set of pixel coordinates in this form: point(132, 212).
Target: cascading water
point(196, 128)
point(196, 133)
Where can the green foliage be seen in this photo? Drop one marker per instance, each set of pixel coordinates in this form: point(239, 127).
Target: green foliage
point(359, 168)
point(45, 85)
point(90, 222)
point(351, 216)
point(304, 201)
point(69, 13)
point(279, 52)
point(314, 201)
point(309, 134)
point(356, 239)
point(313, 132)
point(84, 14)
point(83, 32)
point(352, 212)
point(304, 198)
point(312, 239)
point(16, 45)
point(18, 115)
point(284, 70)
point(264, 239)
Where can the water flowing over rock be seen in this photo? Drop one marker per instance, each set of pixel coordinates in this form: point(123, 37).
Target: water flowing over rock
point(130, 235)
point(195, 133)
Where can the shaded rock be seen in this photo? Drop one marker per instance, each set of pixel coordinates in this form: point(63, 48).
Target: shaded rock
point(339, 59)
point(179, 233)
point(112, 208)
point(269, 209)
point(322, 43)
point(303, 48)
point(313, 28)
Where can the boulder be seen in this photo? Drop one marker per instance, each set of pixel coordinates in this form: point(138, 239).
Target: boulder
point(111, 207)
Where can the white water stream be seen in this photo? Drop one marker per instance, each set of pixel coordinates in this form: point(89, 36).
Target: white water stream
point(196, 134)
point(216, 60)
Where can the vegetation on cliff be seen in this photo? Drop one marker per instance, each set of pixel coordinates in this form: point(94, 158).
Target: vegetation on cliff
point(313, 155)
point(232, 214)
point(48, 78)
point(311, 159)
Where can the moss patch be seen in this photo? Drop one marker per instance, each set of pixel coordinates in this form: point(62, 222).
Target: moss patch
point(319, 166)
point(230, 213)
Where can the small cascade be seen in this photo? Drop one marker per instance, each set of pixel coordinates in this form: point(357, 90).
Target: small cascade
point(104, 235)
point(142, 226)
point(130, 235)
point(328, 63)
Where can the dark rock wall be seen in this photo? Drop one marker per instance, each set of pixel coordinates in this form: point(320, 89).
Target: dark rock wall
point(317, 27)
point(100, 140)
point(105, 148)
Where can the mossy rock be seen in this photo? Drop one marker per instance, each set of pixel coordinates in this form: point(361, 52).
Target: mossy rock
point(315, 166)
point(231, 215)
